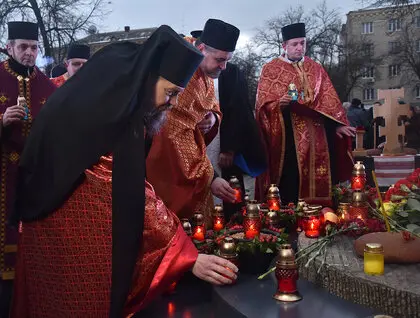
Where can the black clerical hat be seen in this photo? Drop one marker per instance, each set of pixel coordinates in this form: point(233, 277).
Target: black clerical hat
point(356, 102)
point(196, 33)
point(78, 51)
point(58, 70)
point(220, 35)
point(179, 61)
point(22, 30)
point(293, 31)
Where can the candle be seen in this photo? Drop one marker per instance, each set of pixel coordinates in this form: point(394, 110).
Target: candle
point(236, 186)
point(186, 225)
point(252, 221)
point(227, 251)
point(199, 233)
point(274, 204)
point(359, 207)
point(218, 223)
point(273, 198)
point(287, 275)
point(238, 195)
point(359, 212)
point(358, 180)
point(252, 231)
point(373, 259)
point(312, 223)
point(218, 218)
point(343, 212)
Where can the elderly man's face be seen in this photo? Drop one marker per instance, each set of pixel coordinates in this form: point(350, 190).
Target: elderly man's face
point(165, 97)
point(295, 48)
point(23, 51)
point(73, 65)
point(214, 61)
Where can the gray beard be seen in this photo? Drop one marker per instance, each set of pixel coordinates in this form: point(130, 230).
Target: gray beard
point(154, 120)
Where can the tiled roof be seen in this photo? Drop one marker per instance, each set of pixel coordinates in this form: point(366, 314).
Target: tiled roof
point(132, 35)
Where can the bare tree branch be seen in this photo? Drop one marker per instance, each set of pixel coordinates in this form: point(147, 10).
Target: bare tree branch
point(60, 21)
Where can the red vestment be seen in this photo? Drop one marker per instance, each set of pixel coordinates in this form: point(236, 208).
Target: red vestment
point(177, 164)
point(320, 101)
point(64, 260)
point(36, 89)
point(60, 80)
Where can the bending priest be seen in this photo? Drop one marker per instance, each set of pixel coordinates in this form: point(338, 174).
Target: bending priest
point(96, 241)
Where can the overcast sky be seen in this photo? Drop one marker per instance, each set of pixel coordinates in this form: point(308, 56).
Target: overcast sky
point(187, 15)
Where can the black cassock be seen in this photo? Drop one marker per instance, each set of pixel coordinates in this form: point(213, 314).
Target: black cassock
point(239, 132)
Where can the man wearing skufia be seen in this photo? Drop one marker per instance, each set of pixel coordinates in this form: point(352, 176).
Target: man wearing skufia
point(19, 79)
point(307, 139)
point(177, 166)
point(96, 241)
point(77, 56)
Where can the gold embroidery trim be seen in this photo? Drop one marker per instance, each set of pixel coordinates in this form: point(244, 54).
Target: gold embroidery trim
point(10, 248)
point(9, 275)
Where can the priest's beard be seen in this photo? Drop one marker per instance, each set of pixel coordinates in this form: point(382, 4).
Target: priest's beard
point(154, 119)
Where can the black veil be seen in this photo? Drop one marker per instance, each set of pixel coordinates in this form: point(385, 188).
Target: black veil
point(98, 111)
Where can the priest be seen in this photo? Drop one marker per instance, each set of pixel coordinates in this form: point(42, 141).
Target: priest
point(96, 241)
point(23, 91)
point(304, 126)
point(177, 166)
point(77, 56)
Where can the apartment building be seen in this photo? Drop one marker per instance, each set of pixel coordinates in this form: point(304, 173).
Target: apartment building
point(384, 32)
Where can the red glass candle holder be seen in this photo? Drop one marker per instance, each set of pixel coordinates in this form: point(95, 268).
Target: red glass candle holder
point(238, 195)
point(287, 275)
point(236, 186)
point(218, 223)
point(312, 223)
point(359, 211)
point(218, 218)
point(252, 227)
point(273, 198)
point(358, 182)
point(199, 233)
point(227, 251)
point(274, 204)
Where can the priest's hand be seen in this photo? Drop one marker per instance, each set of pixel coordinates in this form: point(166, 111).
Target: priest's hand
point(13, 114)
point(207, 123)
point(285, 101)
point(221, 189)
point(226, 159)
point(214, 269)
point(345, 131)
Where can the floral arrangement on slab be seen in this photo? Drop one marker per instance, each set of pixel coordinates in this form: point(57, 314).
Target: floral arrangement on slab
point(401, 204)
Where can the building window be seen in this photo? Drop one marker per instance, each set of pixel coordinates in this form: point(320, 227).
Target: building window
point(418, 91)
point(368, 49)
point(394, 70)
point(394, 25)
point(417, 21)
point(368, 72)
point(367, 28)
point(369, 94)
point(394, 47)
